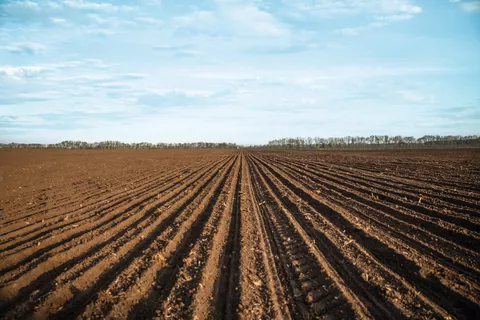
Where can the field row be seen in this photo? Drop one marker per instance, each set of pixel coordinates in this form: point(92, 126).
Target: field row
point(248, 235)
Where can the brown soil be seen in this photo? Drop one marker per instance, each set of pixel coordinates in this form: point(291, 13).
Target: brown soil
point(252, 234)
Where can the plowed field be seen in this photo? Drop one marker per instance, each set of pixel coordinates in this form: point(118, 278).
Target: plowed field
point(239, 234)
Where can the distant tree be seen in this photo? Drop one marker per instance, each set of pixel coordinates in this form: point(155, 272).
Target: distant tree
point(375, 141)
point(120, 145)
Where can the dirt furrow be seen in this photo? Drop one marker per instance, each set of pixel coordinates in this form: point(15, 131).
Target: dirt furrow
point(80, 196)
point(239, 234)
point(398, 170)
point(437, 213)
point(79, 205)
point(315, 285)
point(150, 276)
point(452, 245)
point(432, 291)
point(448, 207)
point(90, 284)
point(262, 295)
point(369, 282)
point(77, 236)
point(64, 221)
point(70, 259)
point(384, 178)
point(105, 203)
point(195, 278)
point(218, 292)
point(414, 176)
point(133, 215)
point(429, 262)
point(124, 181)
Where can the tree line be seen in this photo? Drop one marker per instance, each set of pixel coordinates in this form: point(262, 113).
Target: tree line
point(374, 141)
point(352, 142)
point(122, 145)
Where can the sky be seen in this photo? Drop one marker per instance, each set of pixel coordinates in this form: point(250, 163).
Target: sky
point(237, 71)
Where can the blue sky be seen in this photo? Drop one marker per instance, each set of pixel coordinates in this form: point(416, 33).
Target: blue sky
point(238, 71)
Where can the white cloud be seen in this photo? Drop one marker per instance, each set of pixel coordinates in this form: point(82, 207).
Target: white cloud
point(341, 7)
point(93, 6)
point(246, 18)
point(355, 31)
point(30, 48)
point(350, 31)
point(402, 6)
point(148, 20)
point(58, 21)
point(238, 18)
point(223, 76)
point(293, 83)
point(130, 76)
point(308, 77)
point(472, 6)
point(152, 2)
point(180, 50)
point(49, 12)
point(184, 92)
point(96, 64)
point(96, 79)
point(391, 11)
point(396, 17)
point(415, 97)
point(23, 72)
point(33, 71)
point(167, 98)
point(200, 19)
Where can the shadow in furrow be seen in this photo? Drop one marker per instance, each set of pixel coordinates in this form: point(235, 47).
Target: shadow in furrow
point(40, 252)
point(227, 299)
point(166, 277)
point(431, 287)
point(77, 306)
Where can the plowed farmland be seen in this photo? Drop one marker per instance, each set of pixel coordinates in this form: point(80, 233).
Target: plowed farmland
point(173, 234)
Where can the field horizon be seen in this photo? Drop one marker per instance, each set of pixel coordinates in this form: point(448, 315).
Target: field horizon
point(239, 234)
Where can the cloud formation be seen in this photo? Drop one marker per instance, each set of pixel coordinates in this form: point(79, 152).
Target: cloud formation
point(245, 71)
point(50, 12)
point(472, 6)
point(23, 71)
point(239, 18)
point(30, 48)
